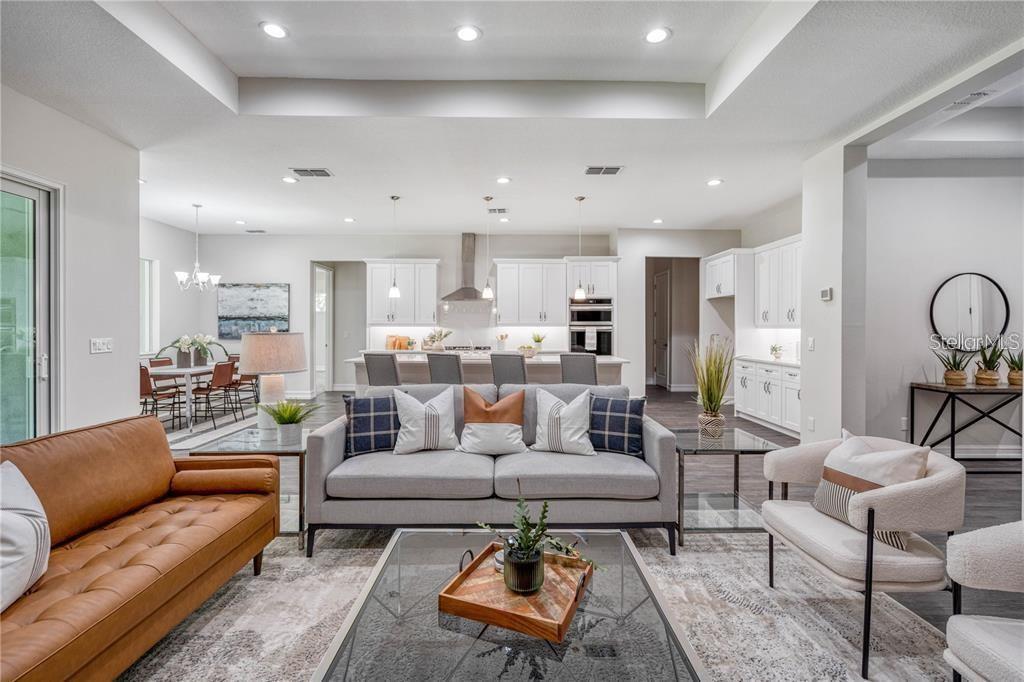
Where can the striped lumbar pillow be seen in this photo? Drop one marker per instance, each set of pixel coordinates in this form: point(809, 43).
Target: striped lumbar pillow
point(561, 427)
point(492, 429)
point(858, 465)
point(425, 426)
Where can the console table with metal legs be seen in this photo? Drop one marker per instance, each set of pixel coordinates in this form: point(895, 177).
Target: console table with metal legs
point(956, 395)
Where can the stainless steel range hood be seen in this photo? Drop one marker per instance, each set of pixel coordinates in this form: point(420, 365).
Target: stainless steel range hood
point(467, 271)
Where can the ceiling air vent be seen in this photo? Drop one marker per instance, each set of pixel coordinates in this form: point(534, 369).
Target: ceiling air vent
point(256, 231)
point(497, 210)
point(970, 100)
point(312, 172)
point(602, 170)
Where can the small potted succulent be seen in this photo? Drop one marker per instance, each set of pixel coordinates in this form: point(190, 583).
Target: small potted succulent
point(523, 553)
point(1015, 361)
point(712, 367)
point(955, 361)
point(987, 372)
point(435, 339)
point(776, 351)
point(289, 415)
point(538, 340)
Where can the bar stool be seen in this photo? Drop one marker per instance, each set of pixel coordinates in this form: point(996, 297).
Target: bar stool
point(508, 367)
point(381, 369)
point(445, 368)
point(579, 368)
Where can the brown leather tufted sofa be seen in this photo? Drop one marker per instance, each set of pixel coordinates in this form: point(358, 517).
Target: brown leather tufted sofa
point(138, 541)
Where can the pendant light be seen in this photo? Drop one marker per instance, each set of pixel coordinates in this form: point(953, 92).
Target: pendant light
point(488, 292)
point(394, 291)
point(200, 281)
point(579, 294)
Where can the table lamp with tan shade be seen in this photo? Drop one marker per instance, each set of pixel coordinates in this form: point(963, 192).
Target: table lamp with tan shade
point(271, 355)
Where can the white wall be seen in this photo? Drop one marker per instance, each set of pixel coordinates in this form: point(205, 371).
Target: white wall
point(349, 318)
point(173, 249)
point(774, 223)
point(923, 228)
point(101, 251)
point(633, 247)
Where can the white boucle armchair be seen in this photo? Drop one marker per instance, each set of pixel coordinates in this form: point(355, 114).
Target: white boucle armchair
point(986, 647)
point(849, 555)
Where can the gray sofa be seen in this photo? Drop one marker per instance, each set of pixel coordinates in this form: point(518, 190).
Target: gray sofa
point(446, 488)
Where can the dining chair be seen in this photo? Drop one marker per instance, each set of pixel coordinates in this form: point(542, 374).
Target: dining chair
point(444, 368)
point(381, 369)
point(165, 382)
point(155, 399)
point(508, 367)
point(579, 368)
point(245, 385)
point(221, 386)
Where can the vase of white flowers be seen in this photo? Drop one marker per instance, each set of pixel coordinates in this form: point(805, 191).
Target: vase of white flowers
point(201, 345)
point(184, 346)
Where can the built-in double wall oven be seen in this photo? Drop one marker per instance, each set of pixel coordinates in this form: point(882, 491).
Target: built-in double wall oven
point(590, 326)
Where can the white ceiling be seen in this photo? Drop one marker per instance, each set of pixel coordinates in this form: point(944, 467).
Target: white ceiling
point(843, 65)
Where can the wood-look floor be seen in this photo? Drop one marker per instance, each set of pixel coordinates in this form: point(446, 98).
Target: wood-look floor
point(991, 500)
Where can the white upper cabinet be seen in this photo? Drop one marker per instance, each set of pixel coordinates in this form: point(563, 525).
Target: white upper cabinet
point(555, 304)
point(531, 292)
point(598, 278)
point(789, 291)
point(719, 277)
point(777, 286)
point(417, 283)
point(507, 294)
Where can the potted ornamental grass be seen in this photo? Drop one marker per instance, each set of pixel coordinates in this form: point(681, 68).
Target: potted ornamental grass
point(955, 362)
point(987, 372)
point(289, 415)
point(712, 370)
point(1015, 362)
point(523, 552)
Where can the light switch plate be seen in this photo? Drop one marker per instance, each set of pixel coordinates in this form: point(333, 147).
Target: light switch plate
point(810, 343)
point(810, 423)
point(101, 345)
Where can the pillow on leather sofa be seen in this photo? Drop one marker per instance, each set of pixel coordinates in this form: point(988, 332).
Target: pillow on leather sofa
point(24, 535)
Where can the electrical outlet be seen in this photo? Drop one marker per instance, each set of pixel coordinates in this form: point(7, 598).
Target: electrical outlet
point(810, 343)
point(810, 423)
point(101, 345)
point(903, 423)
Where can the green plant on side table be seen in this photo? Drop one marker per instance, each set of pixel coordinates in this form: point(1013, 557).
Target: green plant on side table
point(289, 415)
point(1015, 361)
point(712, 368)
point(955, 361)
point(524, 550)
point(987, 373)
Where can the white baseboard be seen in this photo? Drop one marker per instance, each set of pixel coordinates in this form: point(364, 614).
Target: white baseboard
point(683, 388)
point(343, 387)
point(299, 395)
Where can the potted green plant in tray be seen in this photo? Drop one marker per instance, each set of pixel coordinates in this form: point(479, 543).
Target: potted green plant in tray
point(538, 340)
point(1015, 361)
point(289, 415)
point(712, 368)
point(524, 550)
point(987, 373)
point(955, 361)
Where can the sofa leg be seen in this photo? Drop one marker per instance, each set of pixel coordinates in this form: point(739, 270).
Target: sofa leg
point(671, 528)
point(257, 563)
point(957, 603)
point(771, 561)
point(956, 677)
point(869, 561)
point(310, 535)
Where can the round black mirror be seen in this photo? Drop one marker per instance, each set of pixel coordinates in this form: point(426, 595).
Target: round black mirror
point(969, 311)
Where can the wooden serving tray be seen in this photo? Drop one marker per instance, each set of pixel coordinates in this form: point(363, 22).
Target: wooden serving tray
point(478, 592)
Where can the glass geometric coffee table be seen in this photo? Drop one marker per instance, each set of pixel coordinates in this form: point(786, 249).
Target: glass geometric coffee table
point(715, 512)
point(394, 630)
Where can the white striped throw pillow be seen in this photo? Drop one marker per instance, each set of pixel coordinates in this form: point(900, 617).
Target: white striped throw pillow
point(563, 427)
point(425, 426)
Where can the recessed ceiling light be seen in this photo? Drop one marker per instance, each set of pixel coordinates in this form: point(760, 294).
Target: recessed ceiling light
point(350, 220)
point(715, 182)
point(141, 181)
point(502, 220)
point(658, 35)
point(239, 222)
point(289, 180)
point(504, 180)
point(468, 34)
point(274, 30)
point(657, 221)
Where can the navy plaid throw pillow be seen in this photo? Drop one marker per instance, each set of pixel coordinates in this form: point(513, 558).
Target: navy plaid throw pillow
point(616, 425)
point(372, 425)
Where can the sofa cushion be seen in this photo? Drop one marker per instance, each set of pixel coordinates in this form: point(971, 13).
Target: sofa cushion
point(843, 548)
point(617, 424)
point(426, 425)
point(990, 646)
point(435, 474)
point(24, 535)
point(101, 585)
point(113, 469)
point(492, 428)
point(424, 392)
point(564, 392)
point(373, 424)
point(563, 427)
point(549, 475)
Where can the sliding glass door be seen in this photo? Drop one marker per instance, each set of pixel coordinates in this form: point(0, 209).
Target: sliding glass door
point(24, 311)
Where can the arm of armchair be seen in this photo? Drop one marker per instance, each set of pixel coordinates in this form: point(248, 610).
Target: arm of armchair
point(798, 464)
point(660, 455)
point(325, 449)
point(932, 503)
point(988, 558)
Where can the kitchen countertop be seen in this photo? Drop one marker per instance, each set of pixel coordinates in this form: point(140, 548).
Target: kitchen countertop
point(484, 358)
point(785, 362)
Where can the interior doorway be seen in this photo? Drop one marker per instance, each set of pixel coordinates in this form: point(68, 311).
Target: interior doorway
point(662, 328)
point(322, 329)
point(672, 290)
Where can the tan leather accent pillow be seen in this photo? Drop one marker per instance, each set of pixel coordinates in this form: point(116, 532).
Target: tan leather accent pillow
point(213, 481)
point(508, 410)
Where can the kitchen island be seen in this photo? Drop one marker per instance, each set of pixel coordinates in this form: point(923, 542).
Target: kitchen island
point(544, 368)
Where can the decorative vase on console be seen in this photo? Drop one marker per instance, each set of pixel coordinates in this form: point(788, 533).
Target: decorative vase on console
point(712, 368)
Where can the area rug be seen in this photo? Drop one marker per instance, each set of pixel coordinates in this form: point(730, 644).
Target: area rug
point(277, 626)
point(203, 433)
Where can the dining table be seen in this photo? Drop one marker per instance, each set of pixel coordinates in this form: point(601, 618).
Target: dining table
point(190, 375)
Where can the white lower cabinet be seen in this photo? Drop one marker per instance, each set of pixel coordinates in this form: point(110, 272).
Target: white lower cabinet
point(769, 392)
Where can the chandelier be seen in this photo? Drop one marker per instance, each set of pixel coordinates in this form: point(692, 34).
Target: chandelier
point(200, 281)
